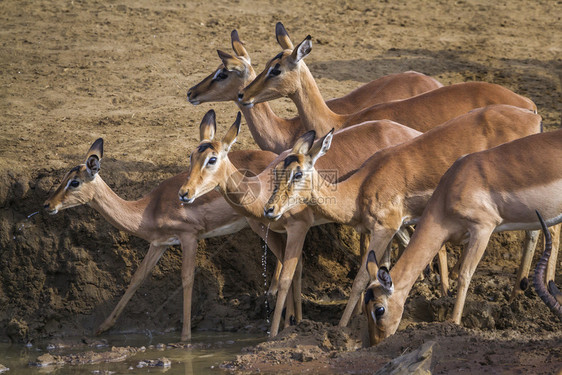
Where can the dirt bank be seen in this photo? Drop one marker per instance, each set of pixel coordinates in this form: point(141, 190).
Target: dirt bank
point(73, 71)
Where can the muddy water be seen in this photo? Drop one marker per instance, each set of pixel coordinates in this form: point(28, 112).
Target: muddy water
point(208, 352)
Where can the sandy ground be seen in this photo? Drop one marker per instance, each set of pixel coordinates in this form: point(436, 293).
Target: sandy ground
point(73, 71)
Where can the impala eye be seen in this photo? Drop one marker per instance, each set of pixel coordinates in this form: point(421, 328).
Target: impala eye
point(221, 75)
point(379, 311)
point(212, 161)
point(74, 183)
point(275, 71)
point(297, 176)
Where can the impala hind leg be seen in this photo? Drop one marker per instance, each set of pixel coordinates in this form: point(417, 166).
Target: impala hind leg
point(151, 258)
point(522, 281)
point(189, 251)
point(551, 267)
point(443, 270)
point(479, 238)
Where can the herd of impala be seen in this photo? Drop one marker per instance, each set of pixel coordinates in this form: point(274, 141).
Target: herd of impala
point(459, 162)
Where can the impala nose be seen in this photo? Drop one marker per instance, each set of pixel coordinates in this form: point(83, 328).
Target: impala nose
point(268, 212)
point(183, 197)
point(46, 206)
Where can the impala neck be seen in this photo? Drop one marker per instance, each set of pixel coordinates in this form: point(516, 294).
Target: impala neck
point(337, 202)
point(124, 215)
point(428, 238)
point(271, 132)
point(313, 111)
point(246, 194)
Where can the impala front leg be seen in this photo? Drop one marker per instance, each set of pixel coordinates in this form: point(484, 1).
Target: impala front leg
point(189, 251)
point(276, 243)
point(473, 253)
point(152, 256)
point(380, 238)
point(295, 240)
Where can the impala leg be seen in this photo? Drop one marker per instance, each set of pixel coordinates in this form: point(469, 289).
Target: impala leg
point(444, 270)
point(274, 284)
point(363, 247)
point(476, 246)
point(189, 250)
point(403, 238)
point(380, 238)
point(289, 306)
point(297, 290)
point(276, 243)
point(551, 267)
point(152, 256)
point(295, 240)
point(522, 281)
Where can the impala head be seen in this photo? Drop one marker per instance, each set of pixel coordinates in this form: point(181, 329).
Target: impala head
point(382, 311)
point(209, 159)
point(294, 176)
point(228, 79)
point(281, 76)
point(77, 186)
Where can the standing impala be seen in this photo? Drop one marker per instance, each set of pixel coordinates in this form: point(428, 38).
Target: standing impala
point(392, 188)
point(158, 218)
point(277, 134)
point(286, 75)
point(212, 168)
point(490, 191)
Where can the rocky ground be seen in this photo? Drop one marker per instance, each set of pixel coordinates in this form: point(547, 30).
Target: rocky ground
point(73, 71)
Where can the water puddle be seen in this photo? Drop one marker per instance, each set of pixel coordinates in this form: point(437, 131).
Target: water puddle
point(207, 352)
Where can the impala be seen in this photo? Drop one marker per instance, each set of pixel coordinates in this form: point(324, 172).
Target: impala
point(286, 75)
point(392, 188)
point(277, 134)
point(551, 296)
point(489, 191)
point(158, 218)
point(212, 168)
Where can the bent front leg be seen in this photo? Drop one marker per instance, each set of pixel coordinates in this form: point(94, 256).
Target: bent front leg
point(152, 256)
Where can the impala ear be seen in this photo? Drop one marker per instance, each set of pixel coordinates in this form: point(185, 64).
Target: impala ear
point(304, 143)
point(302, 50)
point(383, 276)
point(208, 126)
point(230, 62)
point(232, 133)
point(283, 36)
point(238, 45)
point(321, 147)
point(93, 157)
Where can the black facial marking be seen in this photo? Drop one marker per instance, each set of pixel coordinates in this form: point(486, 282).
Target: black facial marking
point(203, 146)
point(290, 159)
point(369, 296)
point(279, 55)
